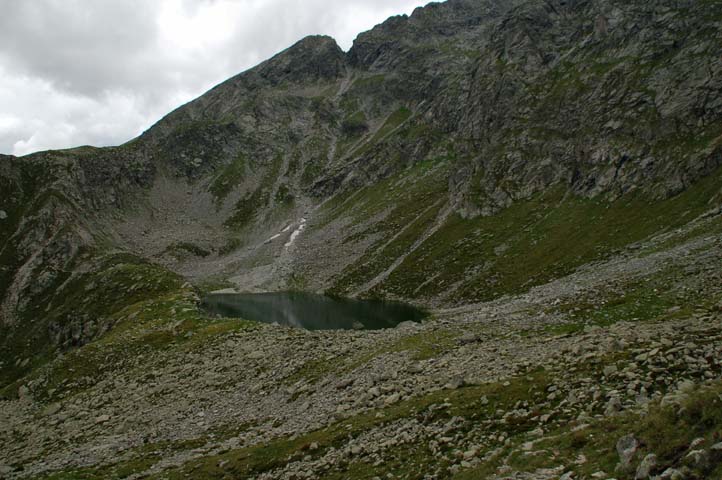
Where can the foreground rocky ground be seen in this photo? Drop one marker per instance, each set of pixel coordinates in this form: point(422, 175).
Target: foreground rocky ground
point(612, 372)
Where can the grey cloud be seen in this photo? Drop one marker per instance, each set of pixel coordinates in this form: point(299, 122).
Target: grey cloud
point(101, 71)
point(81, 46)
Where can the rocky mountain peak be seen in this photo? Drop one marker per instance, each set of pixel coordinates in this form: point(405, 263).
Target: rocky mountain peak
point(426, 25)
point(316, 57)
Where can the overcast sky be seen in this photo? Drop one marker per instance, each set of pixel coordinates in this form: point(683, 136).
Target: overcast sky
point(99, 72)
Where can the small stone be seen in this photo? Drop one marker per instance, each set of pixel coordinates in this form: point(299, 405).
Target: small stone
point(408, 325)
point(391, 399)
point(52, 409)
point(696, 443)
point(671, 399)
point(343, 384)
point(641, 357)
point(646, 467)
point(685, 386)
point(23, 393)
point(468, 338)
point(698, 459)
point(671, 474)
point(626, 448)
point(415, 368)
point(455, 383)
point(614, 405)
point(610, 370)
point(3, 215)
point(102, 419)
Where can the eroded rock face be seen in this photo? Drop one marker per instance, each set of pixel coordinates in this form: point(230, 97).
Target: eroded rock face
point(313, 59)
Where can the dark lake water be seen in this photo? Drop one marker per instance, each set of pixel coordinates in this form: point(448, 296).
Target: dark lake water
point(312, 312)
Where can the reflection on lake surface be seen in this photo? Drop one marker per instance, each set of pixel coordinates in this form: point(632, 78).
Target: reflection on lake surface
point(310, 311)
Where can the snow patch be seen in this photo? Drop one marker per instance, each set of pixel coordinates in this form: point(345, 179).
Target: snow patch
point(272, 238)
point(296, 233)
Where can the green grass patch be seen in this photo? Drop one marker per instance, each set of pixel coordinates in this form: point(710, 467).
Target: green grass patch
point(420, 346)
point(247, 208)
point(80, 308)
point(148, 327)
point(230, 177)
point(368, 83)
point(537, 240)
point(410, 200)
point(392, 122)
point(355, 125)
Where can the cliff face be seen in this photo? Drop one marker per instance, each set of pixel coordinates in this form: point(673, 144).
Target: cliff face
point(604, 97)
point(434, 161)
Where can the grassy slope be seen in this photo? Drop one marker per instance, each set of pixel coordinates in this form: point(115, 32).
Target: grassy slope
point(527, 244)
point(409, 203)
point(116, 281)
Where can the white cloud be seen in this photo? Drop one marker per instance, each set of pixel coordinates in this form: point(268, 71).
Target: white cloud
point(99, 72)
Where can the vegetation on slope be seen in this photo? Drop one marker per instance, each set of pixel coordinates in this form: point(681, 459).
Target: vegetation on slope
point(84, 306)
point(531, 242)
